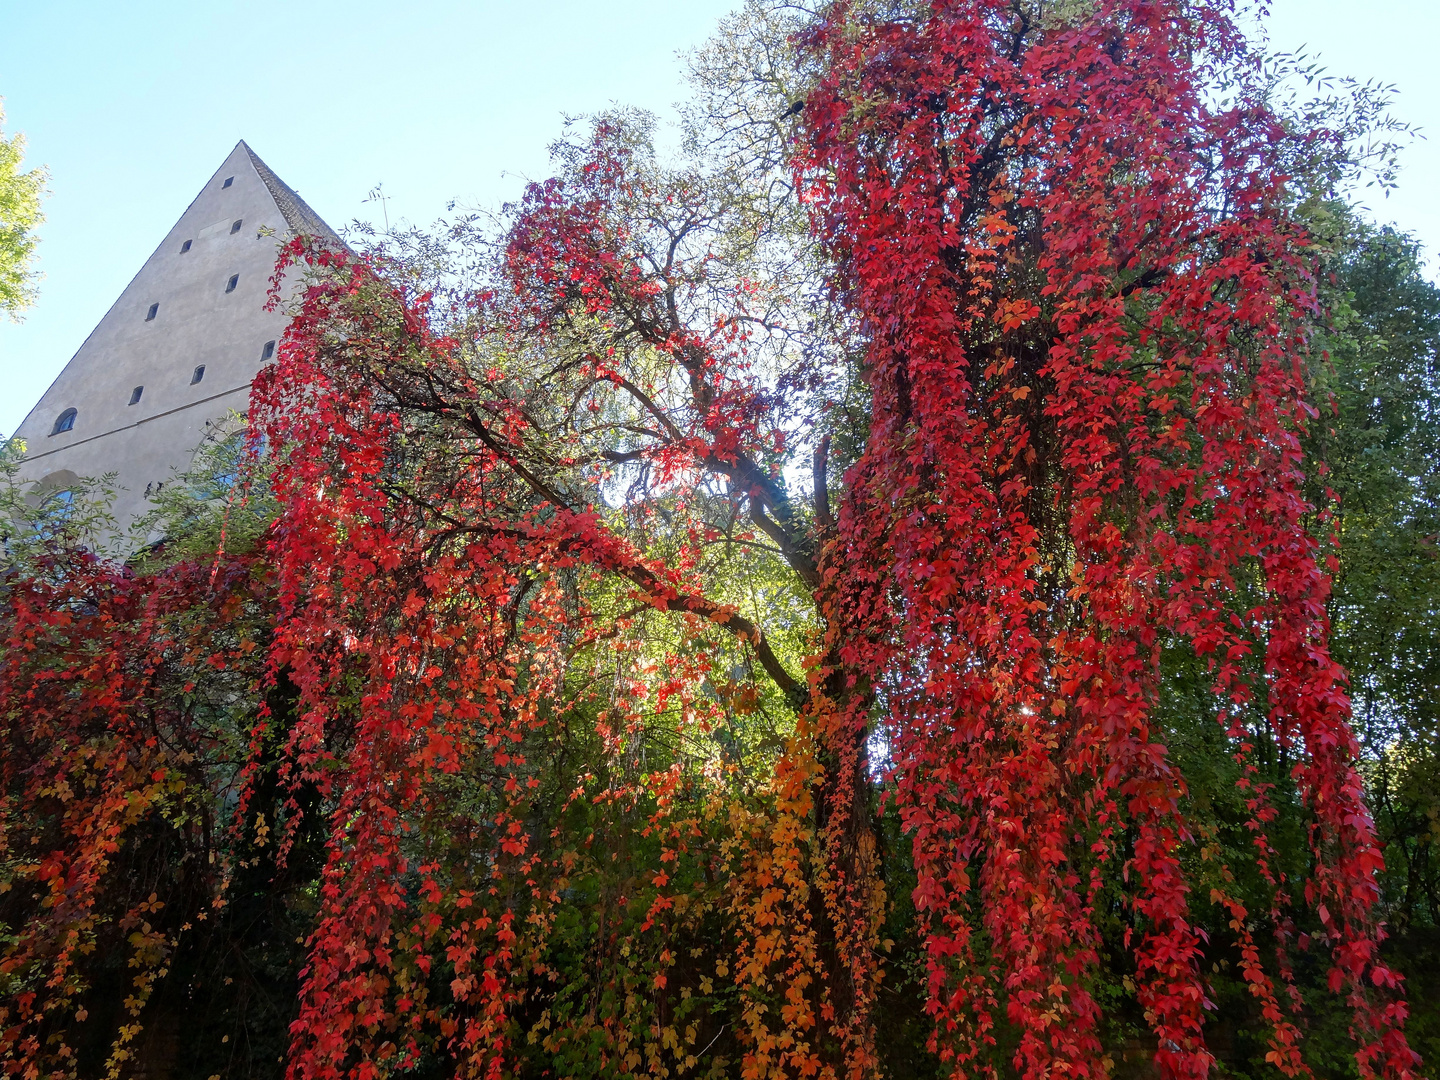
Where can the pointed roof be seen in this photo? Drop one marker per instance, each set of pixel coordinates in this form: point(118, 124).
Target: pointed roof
point(178, 350)
point(297, 213)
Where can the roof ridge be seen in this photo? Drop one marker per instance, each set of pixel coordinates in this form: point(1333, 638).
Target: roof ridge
point(298, 215)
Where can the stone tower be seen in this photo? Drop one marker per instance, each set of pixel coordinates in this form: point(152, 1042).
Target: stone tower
point(178, 350)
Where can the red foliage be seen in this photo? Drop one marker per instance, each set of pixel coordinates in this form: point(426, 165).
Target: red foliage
point(438, 587)
point(1084, 306)
point(104, 736)
point(1087, 386)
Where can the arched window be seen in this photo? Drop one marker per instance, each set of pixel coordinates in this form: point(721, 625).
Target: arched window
point(64, 422)
point(198, 374)
point(186, 246)
point(54, 493)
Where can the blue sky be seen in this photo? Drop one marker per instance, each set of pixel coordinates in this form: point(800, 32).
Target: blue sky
point(132, 107)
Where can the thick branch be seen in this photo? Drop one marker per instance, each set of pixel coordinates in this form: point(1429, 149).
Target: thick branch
point(799, 561)
point(665, 598)
point(662, 596)
point(823, 521)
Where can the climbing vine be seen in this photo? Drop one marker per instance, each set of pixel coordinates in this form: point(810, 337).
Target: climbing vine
point(580, 734)
point(1088, 397)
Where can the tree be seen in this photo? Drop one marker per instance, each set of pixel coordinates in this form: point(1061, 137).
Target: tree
point(1075, 498)
point(742, 606)
point(1379, 445)
point(20, 215)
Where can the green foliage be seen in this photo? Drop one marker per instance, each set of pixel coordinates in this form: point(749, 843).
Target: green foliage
point(1376, 384)
point(628, 983)
point(1380, 436)
point(222, 503)
point(40, 522)
point(20, 195)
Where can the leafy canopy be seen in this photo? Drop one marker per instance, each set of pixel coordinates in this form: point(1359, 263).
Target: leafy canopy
point(851, 601)
point(21, 193)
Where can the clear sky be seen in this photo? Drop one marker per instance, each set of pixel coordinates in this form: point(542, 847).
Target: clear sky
point(133, 105)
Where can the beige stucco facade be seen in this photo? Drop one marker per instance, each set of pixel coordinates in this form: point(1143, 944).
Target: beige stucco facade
point(198, 302)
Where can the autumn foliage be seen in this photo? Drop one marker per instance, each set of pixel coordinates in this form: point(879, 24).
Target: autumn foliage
point(1086, 419)
point(499, 691)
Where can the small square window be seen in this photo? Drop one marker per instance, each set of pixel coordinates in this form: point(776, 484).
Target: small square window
point(235, 226)
point(198, 374)
point(234, 280)
point(186, 246)
point(135, 395)
point(268, 351)
point(228, 181)
point(154, 310)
